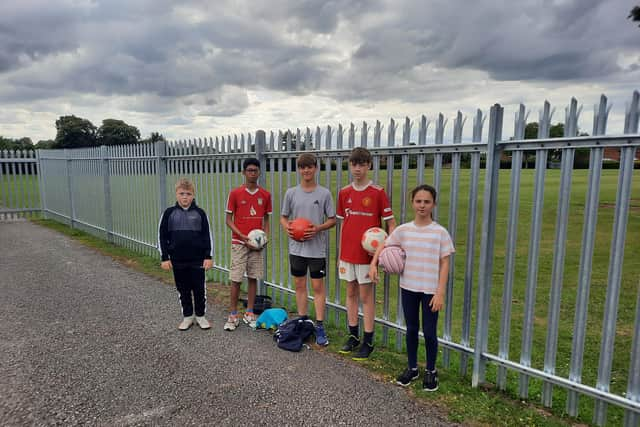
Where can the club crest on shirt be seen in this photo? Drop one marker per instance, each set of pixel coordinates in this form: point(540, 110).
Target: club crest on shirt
point(366, 202)
point(259, 201)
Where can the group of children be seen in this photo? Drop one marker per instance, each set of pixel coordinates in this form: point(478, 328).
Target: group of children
point(186, 247)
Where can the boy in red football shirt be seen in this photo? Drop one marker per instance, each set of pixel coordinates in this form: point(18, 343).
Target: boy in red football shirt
point(361, 205)
point(248, 208)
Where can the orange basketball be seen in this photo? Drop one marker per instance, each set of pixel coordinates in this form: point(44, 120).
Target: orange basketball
point(299, 226)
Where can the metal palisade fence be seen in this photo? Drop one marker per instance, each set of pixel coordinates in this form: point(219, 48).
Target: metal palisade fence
point(543, 294)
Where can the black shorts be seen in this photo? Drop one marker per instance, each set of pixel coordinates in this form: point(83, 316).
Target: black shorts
point(300, 265)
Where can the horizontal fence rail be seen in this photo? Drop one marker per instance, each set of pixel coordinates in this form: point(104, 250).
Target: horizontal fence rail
point(545, 279)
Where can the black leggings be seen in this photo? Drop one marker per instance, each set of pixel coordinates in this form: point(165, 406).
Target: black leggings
point(191, 280)
point(411, 302)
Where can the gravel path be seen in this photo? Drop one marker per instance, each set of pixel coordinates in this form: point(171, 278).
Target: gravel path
point(87, 341)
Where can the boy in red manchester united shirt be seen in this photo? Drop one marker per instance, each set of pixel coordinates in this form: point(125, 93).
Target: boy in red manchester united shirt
point(361, 205)
point(248, 208)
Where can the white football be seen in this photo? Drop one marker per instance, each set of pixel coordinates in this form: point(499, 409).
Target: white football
point(257, 238)
point(373, 238)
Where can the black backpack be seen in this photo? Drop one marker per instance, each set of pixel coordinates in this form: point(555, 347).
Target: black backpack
point(292, 334)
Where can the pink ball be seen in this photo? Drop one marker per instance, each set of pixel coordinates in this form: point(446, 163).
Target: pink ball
point(391, 259)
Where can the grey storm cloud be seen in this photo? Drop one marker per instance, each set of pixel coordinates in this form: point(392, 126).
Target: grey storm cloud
point(341, 49)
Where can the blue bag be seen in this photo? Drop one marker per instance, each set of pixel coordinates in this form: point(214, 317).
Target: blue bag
point(292, 334)
point(271, 318)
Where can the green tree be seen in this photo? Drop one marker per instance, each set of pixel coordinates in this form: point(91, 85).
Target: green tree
point(74, 132)
point(45, 144)
point(556, 131)
point(154, 137)
point(16, 144)
point(117, 132)
point(6, 143)
point(531, 132)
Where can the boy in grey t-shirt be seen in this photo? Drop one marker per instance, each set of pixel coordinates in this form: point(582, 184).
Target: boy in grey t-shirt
point(313, 202)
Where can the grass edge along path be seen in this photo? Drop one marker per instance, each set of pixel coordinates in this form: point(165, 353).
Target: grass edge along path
point(463, 404)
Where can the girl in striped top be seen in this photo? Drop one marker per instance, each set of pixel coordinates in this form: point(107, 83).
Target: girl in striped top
point(427, 246)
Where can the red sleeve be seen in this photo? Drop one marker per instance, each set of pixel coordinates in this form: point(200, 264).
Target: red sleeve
point(269, 208)
point(340, 207)
point(385, 207)
point(231, 202)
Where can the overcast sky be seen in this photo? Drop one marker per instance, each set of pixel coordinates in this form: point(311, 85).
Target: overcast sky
point(212, 68)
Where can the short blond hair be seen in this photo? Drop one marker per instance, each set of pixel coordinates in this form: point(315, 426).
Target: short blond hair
point(186, 184)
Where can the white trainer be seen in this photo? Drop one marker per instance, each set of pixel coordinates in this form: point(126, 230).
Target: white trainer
point(186, 323)
point(250, 319)
point(232, 323)
point(203, 322)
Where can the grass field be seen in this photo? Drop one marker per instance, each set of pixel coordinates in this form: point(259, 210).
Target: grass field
point(136, 197)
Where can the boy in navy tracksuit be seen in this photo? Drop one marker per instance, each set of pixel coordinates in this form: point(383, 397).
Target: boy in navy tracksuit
point(186, 245)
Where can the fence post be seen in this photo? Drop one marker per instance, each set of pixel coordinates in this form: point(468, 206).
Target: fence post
point(43, 198)
point(587, 246)
point(452, 221)
point(72, 208)
point(261, 146)
point(161, 170)
point(487, 241)
point(108, 211)
point(633, 387)
point(614, 277)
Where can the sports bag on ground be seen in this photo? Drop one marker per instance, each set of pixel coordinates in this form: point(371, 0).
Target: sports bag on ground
point(271, 318)
point(292, 334)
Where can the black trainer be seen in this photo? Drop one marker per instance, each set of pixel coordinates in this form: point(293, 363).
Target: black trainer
point(351, 344)
point(405, 378)
point(363, 352)
point(430, 382)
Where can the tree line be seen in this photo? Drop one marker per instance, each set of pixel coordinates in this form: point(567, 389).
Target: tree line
point(77, 132)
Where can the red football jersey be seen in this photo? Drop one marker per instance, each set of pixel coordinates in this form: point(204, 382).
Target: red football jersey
point(360, 210)
point(248, 209)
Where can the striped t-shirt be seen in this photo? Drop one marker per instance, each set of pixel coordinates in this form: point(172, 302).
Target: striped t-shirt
point(424, 247)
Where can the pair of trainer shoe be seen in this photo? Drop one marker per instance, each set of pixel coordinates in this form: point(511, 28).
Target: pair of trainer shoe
point(188, 321)
point(321, 336)
point(363, 351)
point(233, 321)
point(430, 382)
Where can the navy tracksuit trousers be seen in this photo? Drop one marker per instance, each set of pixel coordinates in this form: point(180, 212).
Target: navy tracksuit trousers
point(411, 304)
point(191, 281)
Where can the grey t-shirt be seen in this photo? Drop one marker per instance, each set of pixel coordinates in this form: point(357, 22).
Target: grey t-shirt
point(316, 206)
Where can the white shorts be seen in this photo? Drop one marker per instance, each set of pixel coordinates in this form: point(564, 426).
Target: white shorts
point(354, 272)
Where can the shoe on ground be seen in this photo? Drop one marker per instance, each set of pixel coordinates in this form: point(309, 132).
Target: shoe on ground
point(351, 344)
point(231, 323)
point(405, 378)
point(186, 323)
point(363, 352)
point(321, 336)
point(430, 382)
point(203, 322)
point(250, 319)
